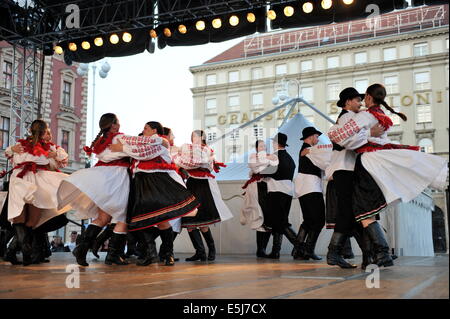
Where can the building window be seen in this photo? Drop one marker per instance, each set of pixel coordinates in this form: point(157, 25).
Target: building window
point(7, 74)
point(234, 154)
point(280, 69)
point(211, 79)
point(67, 91)
point(360, 57)
point(4, 132)
point(422, 80)
point(235, 134)
point(333, 91)
point(211, 105)
point(257, 99)
point(65, 140)
point(306, 65)
point(258, 132)
point(233, 101)
point(426, 145)
point(361, 85)
point(257, 73)
point(333, 62)
point(389, 54)
point(423, 113)
point(421, 49)
point(211, 137)
point(308, 93)
point(391, 84)
point(233, 76)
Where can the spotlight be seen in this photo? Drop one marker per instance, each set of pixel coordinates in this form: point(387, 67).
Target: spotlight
point(85, 45)
point(217, 23)
point(271, 15)
point(126, 37)
point(98, 41)
point(326, 4)
point(348, 2)
point(114, 38)
point(72, 46)
point(288, 11)
point(234, 20)
point(308, 7)
point(200, 25)
point(153, 34)
point(251, 17)
point(182, 29)
point(167, 32)
point(58, 49)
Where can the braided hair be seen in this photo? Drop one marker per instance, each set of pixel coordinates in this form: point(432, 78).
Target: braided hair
point(378, 93)
point(105, 123)
point(37, 130)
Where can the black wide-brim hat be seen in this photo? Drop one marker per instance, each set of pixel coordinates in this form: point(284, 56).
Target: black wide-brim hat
point(307, 132)
point(348, 94)
point(280, 138)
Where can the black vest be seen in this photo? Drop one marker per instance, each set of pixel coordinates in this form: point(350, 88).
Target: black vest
point(286, 167)
point(305, 166)
point(337, 147)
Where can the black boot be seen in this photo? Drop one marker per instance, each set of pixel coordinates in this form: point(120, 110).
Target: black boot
point(380, 246)
point(131, 245)
point(335, 250)
point(197, 242)
point(116, 249)
point(347, 252)
point(86, 241)
point(262, 238)
point(292, 237)
point(101, 238)
point(210, 243)
point(277, 240)
point(161, 253)
point(11, 252)
point(301, 237)
point(167, 242)
point(24, 237)
point(148, 237)
point(310, 245)
point(37, 255)
point(364, 243)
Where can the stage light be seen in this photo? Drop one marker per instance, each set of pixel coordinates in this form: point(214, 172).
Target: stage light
point(72, 46)
point(114, 38)
point(308, 7)
point(348, 2)
point(200, 25)
point(182, 29)
point(167, 32)
point(153, 33)
point(271, 15)
point(98, 41)
point(288, 11)
point(251, 17)
point(85, 45)
point(126, 37)
point(234, 20)
point(58, 49)
point(326, 4)
point(216, 23)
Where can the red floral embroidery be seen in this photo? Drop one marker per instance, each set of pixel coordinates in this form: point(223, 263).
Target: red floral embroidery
point(382, 118)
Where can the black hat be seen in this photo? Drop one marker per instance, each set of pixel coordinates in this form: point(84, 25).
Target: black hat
point(281, 139)
point(307, 132)
point(348, 94)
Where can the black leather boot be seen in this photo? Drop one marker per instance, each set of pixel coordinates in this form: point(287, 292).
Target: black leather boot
point(131, 245)
point(262, 238)
point(381, 249)
point(197, 242)
point(277, 240)
point(167, 242)
point(335, 250)
point(38, 246)
point(161, 253)
point(24, 237)
point(11, 252)
point(116, 249)
point(301, 237)
point(148, 237)
point(210, 243)
point(364, 243)
point(347, 252)
point(101, 238)
point(310, 245)
point(86, 240)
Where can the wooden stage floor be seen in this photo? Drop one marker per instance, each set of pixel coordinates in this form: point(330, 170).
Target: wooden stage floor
point(229, 277)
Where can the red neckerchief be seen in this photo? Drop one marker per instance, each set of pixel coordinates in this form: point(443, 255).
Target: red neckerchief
point(41, 147)
point(101, 144)
point(382, 118)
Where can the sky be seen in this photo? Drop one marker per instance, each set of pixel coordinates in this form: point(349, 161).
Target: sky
point(151, 87)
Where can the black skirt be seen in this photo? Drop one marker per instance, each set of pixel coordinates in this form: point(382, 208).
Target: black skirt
point(156, 198)
point(332, 208)
point(368, 199)
point(207, 213)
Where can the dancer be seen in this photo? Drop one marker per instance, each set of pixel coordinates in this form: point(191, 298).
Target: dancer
point(385, 173)
point(313, 159)
point(156, 197)
point(255, 197)
point(101, 192)
point(198, 161)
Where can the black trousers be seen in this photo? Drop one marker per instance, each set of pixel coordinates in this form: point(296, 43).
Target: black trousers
point(313, 210)
point(279, 205)
point(345, 218)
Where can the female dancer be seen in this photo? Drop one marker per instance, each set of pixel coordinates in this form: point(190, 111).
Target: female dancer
point(198, 160)
point(101, 192)
point(255, 196)
point(32, 191)
point(385, 173)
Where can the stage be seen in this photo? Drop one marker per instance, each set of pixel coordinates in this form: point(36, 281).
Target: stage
point(230, 277)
